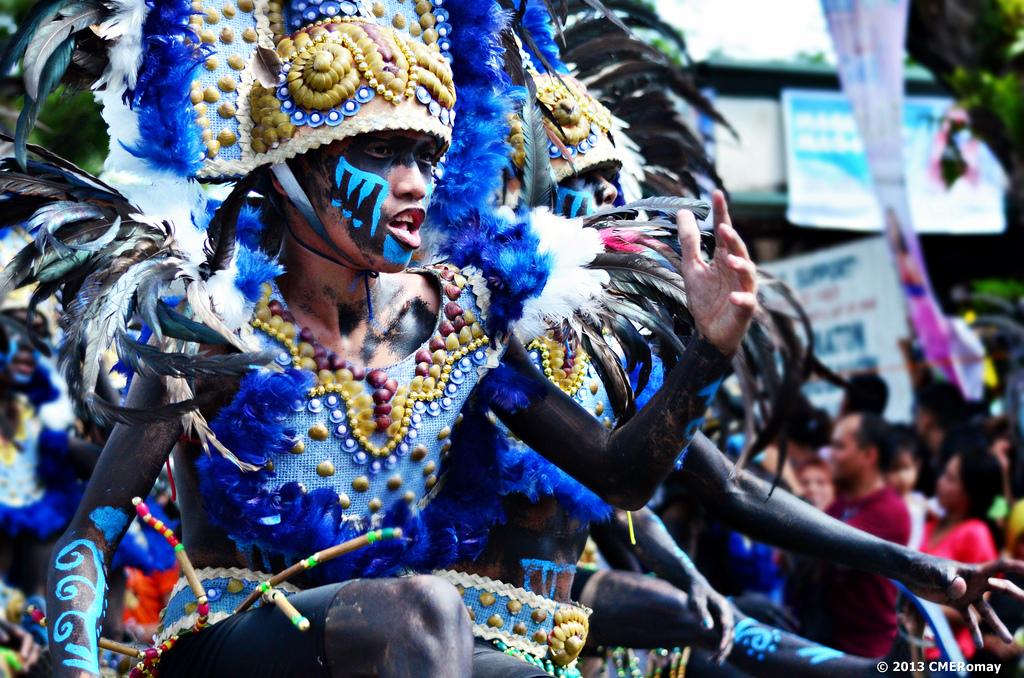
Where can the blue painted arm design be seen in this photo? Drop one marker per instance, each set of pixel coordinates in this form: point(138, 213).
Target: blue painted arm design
point(74, 634)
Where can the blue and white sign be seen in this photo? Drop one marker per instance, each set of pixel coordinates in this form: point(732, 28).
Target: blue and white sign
point(830, 184)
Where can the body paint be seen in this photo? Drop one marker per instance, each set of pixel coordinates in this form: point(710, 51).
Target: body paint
point(81, 586)
point(707, 394)
point(548, 572)
point(109, 521)
point(818, 654)
point(755, 639)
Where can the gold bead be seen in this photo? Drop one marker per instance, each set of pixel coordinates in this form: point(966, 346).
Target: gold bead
point(299, 447)
point(318, 432)
point(409, 496)
point(227, 138)
point(514, 606)
point(211, 95)
point(344, 501)
point(361, 484)
point(540, 637)
point(444, 433)
point(495, 621)
point(226, 83)
point(325, 468)
point(374, 505)
point(394, 482)
point(227, 35)
point(487, 599)
point(519, 629)
point(539, 616)
point(431, 481)
point(418, 453)
point(249, 34)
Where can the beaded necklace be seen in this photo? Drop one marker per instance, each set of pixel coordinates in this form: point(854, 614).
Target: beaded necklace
point(374, 402)
point(564, 364)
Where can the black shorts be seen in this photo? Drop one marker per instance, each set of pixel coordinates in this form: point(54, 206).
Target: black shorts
point(258, 642)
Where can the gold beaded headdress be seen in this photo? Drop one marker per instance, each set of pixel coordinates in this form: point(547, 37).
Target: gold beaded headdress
point(582, 138)
point(285, 76)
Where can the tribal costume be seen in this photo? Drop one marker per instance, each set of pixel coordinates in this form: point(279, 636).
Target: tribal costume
point(333, 387)
point(315, 448)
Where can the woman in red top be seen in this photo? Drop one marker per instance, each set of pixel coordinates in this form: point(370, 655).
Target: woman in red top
point(968, 486)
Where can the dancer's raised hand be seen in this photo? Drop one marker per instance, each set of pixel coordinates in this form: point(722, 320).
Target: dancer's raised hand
point(722, 293)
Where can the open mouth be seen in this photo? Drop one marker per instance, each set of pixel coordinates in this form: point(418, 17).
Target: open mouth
point(405, 226)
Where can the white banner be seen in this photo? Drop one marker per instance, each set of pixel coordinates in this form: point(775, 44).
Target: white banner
point(853, 298)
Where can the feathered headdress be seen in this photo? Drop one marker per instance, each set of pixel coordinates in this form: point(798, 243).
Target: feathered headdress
point(220, 88)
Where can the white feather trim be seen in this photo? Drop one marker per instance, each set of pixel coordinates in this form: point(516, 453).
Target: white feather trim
point(124, 57)
point(227, 300)
point(572, 288)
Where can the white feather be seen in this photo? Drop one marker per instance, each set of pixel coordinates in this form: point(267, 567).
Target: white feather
point(124, 57)
point(572, 288)
point(227, 299)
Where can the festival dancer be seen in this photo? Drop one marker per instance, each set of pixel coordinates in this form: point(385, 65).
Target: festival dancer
point(516, 582)
point(41, 463)
point(374, 361)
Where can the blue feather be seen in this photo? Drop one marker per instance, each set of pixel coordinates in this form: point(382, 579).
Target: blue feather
point(53, 511)
point(254, 269)
point(169, 138)
point(537, 20)
point(463, 206)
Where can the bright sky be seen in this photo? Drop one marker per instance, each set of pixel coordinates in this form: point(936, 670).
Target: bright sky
point(750, 29)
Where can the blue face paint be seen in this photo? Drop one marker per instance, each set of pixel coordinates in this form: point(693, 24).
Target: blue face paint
point(85, 587)
point(395, 252)
point(108, 520)
point(572, 203)
point(362, 195)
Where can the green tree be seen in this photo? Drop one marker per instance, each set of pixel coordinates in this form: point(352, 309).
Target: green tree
point(976, 48)
point(69, 123)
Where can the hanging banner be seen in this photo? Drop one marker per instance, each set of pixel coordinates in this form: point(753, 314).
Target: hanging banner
point(852, 297)
point(868, 36)
point(830, 185)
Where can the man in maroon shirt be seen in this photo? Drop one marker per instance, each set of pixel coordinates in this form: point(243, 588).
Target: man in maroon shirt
point(862, 607)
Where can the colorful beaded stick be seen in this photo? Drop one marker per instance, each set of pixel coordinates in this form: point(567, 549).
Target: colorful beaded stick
point(150, 656)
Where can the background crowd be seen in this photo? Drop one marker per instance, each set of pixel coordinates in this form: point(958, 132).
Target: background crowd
point(946, 483)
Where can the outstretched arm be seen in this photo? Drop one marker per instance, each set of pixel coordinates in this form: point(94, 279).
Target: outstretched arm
point(745, 503)
point(626, 465)
point(76, 589)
